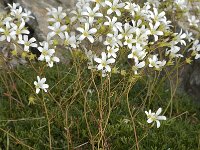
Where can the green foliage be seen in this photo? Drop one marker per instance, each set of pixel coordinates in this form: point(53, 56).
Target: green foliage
point(23, 124)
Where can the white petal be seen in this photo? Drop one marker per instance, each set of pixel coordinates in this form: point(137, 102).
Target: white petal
point(118, 12)
point(158, 123)
point(161, 118)
point(32, 40)
point(43, 80)
point(100, 67)
point(98, 60)
point(61, 35)
point(37, 90)
point(108, 68)
point(108, 3)
point(92, 31)
point(45, 86)
point(82, 37)
point(80, 29)
point(149, 120)
point(159, 111)
point(109, 11)
point(91, 39)
point(26, 48)
point(111, 60)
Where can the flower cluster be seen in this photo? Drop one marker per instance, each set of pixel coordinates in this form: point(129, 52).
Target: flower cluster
point(145, 28)
point(14, 25)
point(109, 33)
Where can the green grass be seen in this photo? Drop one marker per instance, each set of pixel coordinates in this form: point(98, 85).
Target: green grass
point(23, 125)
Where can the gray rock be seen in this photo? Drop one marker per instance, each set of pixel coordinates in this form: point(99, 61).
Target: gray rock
point(38, 9)
point(2, 9)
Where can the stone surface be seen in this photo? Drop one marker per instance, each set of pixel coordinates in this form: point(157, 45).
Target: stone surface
point(2, 8)
point(191, 74)
point(38, 9)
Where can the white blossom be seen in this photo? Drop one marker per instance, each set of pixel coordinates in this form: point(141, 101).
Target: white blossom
point(155, 117)
point(92, 13)
point(104, 62)
point(21, 29)
point(26, 42)
point(154, 62)
point(137, 53)
point(70, 40)
point(40, 84)
point(113, 24)
point(57, 15)
point(57, 29)
point(138, 65)
point(7, 33)
point(189, 36)
point(193, 21)
point(87, 33)
point(46, 53)
point(114, 7)
point(154, 30)
point(112, 51)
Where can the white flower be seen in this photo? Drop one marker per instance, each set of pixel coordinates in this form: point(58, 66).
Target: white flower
point(129, 41)
point(138, 65)
point(90, 56)
point(155, 117)
point(17, 13)
point(27, 15)
point(26, 42)
point(195, 49)
point(46, 53)
point(113, 40)
point(181, 3)
point(92, 13)
point(173, 51)
point(57, 29)
point(82, 4)
point(57, 14)
point(166, 24)
point(141, 37)
point(153, 30)
point(14, 6)
point(52, 60)
point(138, 53)
point(21, 29)
point(128, 30)
point(7, 20)
point(104, 62)
point(7, 33)
point(155, 3)
point(99, 2)
point(40, 84)
point(193, 21)
point(112, 51)
point(70, 40)
point(154, 62)
point(113, 24)
point(86, 33)
point(179, 38)
point(76, 15)
point(131, 7)
point(157, 17)
point(143, 13)
point(189, 36)
point(114, 7)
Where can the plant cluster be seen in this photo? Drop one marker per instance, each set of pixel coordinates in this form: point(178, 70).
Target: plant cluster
point(114, 38)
